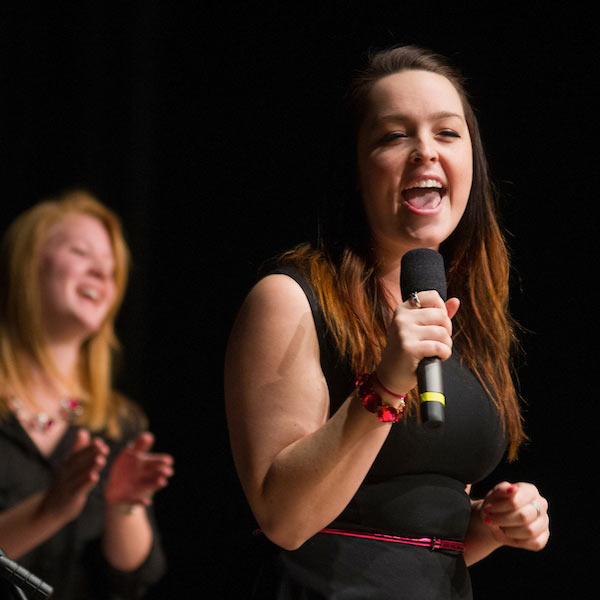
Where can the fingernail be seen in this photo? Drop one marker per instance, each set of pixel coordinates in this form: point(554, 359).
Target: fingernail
point(511, 489)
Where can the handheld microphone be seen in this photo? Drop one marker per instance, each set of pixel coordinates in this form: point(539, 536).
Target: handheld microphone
point(423, 269)
point(21, 577)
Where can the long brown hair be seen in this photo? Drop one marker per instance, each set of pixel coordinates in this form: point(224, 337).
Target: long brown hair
point(21, 328)
point(344, 270)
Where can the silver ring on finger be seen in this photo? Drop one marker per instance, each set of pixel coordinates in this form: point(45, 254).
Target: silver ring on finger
point(414, 299)
point(537, 508)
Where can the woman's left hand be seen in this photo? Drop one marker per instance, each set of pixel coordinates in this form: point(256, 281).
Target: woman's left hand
point(137, 474)
point(517, 515)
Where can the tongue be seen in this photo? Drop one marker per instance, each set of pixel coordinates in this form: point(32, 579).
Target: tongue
point(422, 197)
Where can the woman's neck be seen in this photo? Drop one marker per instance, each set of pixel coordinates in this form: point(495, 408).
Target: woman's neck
point(389, 276)
point(65, 356)
point(389, 258)
point(389, 255)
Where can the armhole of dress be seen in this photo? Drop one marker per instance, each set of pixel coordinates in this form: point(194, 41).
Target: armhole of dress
point(315, 307)
point(336, 369)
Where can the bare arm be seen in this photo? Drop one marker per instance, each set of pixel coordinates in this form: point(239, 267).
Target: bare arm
point(479, 542)
point(25, 526)
point(134, 478)
point(127, 538)
point(299, 469)
point(29, 523)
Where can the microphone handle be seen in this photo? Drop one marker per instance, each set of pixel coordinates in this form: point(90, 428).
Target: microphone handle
point(431, 392)
point(21, 577)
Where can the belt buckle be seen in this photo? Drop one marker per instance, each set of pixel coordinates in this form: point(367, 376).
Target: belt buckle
point(432, 545)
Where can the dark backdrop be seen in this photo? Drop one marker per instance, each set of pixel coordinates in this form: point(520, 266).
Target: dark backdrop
point(207, 126)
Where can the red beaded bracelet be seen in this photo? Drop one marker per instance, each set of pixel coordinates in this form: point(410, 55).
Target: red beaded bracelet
point(372, 400)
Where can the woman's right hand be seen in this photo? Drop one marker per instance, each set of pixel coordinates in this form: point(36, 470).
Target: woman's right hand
point(79, 473)
point(416, 333)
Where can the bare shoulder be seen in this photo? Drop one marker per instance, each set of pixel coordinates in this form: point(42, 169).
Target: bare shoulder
point(275, 310)
point(280, 293)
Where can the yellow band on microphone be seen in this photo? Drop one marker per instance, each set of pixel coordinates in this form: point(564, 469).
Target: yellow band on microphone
point(433, 397)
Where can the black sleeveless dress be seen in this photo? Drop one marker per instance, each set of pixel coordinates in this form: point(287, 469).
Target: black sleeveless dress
point(415, 488)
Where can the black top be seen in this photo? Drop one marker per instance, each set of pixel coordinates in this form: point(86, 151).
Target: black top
point(71, 561)
point(415, 488)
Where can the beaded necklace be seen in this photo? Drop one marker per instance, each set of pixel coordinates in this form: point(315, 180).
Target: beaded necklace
point(70, 408)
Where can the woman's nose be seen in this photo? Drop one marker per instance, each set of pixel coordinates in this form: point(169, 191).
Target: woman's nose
point(424, 151)
point(100, 269)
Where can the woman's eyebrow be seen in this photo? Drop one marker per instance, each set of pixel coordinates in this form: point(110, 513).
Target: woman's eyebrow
point(401, 117)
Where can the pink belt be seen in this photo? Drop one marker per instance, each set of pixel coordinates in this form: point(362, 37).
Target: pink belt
point(431, 543)
point(425, 542)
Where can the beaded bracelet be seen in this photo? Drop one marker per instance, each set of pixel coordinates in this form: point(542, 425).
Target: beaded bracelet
point(125, 509)
point(372, 400)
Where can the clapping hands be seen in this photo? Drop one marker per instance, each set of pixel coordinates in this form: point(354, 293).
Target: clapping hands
point(134, 477)
point(137, 474)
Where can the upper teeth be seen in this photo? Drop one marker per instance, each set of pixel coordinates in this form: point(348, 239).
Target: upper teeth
point(426, 183)
point(89, 293)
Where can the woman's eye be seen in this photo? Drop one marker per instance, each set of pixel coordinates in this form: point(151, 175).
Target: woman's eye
point(449, 133)
point(393, 135)
point(78, 251)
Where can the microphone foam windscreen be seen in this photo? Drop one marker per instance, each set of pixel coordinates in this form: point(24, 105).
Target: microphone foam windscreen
point(422, 269)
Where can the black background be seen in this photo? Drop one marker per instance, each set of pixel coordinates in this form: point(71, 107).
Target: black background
point(207, 127)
